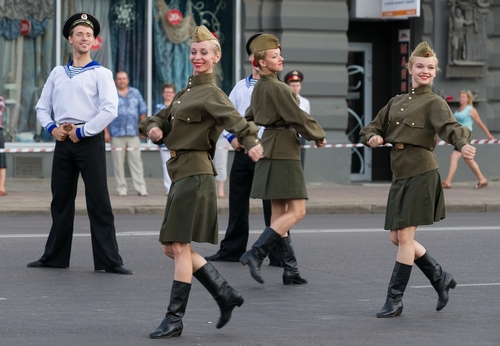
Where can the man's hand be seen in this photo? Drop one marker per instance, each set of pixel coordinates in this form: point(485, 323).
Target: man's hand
point(59, 133)
point(236, 144)
point(72, 134)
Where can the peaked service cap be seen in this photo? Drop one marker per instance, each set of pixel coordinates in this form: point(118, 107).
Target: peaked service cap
point(81, 18)
point(294, 76)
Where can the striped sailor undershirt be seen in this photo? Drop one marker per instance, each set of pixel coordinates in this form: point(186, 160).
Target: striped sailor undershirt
point(252, 81)
point(74, 70)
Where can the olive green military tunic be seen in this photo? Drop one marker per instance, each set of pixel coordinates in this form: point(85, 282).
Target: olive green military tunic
point(191, 126)
point(275, 106)
point(412, 123)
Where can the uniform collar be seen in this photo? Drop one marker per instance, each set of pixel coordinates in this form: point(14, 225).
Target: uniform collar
point(201, 79)
point(269, 76)
point(421, 89)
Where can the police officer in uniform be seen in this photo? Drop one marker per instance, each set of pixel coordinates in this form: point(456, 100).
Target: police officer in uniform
point(83, 98)
point(190, 127)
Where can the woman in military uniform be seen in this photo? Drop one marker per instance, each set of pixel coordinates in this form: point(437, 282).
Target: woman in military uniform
point(278, 176)
point(411, 123)
point(190, 127)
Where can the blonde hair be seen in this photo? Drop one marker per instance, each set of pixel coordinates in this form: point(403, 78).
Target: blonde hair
point(257, 56)
point(469, 96)
point(216, 46)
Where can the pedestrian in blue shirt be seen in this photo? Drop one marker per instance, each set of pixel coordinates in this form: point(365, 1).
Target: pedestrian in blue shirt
point(123, 133)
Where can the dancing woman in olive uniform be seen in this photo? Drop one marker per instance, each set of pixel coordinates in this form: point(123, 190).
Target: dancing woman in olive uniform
point(190, 127)
point(411, 123)
point(278, 176)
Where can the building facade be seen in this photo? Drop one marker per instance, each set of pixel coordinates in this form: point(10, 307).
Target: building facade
point(352, 66)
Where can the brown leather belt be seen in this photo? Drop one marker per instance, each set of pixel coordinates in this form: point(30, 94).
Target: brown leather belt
point(288, 127)
point(69, 127)
point(401, 146)
point(175, 153)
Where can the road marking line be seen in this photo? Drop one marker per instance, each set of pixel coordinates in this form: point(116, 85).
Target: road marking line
point(298, 231)
point(465, 285)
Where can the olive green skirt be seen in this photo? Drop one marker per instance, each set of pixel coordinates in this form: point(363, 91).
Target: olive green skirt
point(415, 201)
point(278, 179)
point(191, 211)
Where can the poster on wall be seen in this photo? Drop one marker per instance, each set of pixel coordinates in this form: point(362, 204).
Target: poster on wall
point(400, 8)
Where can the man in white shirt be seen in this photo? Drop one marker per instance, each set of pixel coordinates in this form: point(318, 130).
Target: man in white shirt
point(82, 95)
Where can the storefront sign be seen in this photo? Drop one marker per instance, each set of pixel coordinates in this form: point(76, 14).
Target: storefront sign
point(174, 17)
point(25, 27)
point(404, 40)
point(400, 8)
point(387, 9)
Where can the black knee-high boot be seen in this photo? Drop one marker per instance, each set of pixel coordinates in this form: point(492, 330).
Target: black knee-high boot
point(171, 326)
point(260, 249)
point(440, 280)
point(394, 303)
point(291, 273)
point(226, 297)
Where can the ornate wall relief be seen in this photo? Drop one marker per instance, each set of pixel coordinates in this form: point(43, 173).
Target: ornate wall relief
point(467, 44)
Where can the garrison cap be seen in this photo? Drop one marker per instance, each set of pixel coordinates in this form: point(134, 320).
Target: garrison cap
point(294, 76)
point(81, 18)
point(264, 42)
point(423, 50)
point(201, 34)
point(249, 42)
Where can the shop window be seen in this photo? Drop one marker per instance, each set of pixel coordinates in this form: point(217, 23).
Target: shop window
point(174, 22)
point(26, 53)
point(28, 46)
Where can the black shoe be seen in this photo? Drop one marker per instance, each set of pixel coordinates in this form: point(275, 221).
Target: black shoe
point(275, 264)
point(36, 264)
point(440, 280)
point(226, 296)
point(394, 303)
point(260, 249)
point(215, 257)
point(119, 270)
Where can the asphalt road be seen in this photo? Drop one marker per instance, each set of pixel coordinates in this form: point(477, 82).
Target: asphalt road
point(347, 259)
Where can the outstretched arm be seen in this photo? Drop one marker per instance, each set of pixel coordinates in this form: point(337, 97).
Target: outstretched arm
point(475, 115)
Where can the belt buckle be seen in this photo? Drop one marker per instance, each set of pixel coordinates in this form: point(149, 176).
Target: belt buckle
point(399, 146)
point(173, 153)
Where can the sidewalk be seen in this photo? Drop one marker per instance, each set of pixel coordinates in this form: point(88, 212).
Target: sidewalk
point(33, 196)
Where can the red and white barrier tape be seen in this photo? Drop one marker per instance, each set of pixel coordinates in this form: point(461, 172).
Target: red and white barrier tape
point(156, 148)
